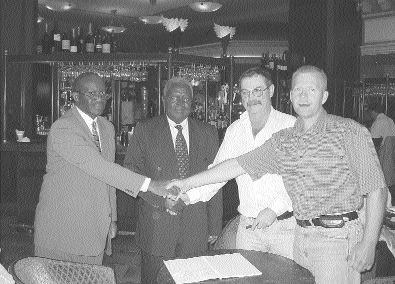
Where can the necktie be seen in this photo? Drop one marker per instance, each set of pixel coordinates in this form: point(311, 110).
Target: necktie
point(182, 153)
point(95, 136)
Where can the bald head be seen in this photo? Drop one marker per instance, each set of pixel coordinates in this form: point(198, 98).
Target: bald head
point(82, 82)
point(320, 74)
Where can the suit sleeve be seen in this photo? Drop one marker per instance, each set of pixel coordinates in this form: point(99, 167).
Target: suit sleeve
point(215, 205)
point(135, 161)
point(72, 145)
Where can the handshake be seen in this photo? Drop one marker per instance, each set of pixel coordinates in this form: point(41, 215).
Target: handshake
point(176, 199)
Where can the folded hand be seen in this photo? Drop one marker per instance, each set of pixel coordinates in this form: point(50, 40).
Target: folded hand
point(264, 219)
point(174, 206)
point(160, 188)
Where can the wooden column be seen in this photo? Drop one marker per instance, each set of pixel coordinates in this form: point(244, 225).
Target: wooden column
point(328, 34)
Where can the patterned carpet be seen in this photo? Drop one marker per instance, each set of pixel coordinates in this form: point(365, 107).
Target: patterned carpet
point(17, 242)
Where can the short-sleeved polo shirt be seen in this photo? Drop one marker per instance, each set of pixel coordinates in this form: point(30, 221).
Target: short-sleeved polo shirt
point(326, 170)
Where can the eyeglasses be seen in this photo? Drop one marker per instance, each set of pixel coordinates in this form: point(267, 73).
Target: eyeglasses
point(309, 91)
point(174, 99)
point(97, 96)
point(257, 92)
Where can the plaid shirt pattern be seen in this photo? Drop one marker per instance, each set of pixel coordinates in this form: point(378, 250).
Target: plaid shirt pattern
point(325, 170)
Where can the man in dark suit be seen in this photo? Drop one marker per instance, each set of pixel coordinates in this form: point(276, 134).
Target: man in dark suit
point(77, 205)
point(158, 150)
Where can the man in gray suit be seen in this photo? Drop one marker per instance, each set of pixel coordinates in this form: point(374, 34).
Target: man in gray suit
point(163, 148)
point(76, 211)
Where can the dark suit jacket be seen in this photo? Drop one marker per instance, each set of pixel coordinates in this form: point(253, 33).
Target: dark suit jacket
point(77, 197)
point(151, 153)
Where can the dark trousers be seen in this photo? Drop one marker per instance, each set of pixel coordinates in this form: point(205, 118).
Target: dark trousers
point(150, 266)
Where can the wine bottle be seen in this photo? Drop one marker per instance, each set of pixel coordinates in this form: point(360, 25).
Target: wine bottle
point(98, 42)
point(65, 42)
point(46, 41)
point(106, 45)
point(114, 43)
point(73, 41)
point(80, 41)
point(90, 40)
point(56, 39)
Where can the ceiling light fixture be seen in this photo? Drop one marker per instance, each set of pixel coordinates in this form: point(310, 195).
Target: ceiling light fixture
point(59, 6)
point(205, 6)
point(151, 20)
point(113, 26)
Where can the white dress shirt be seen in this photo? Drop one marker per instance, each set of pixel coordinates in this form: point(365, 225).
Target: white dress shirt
point(174, 130)
point(269, 190)
point(88, 120)
point(382, 126)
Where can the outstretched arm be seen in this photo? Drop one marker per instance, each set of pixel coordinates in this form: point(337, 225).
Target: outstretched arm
point(222, 172)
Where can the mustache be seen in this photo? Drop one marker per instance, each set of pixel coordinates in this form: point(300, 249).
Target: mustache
point(254, 102)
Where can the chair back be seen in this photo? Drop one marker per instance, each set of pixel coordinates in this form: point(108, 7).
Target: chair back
point(38, 270)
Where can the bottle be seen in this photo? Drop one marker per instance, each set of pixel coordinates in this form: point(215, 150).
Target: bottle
point(106, 46)
point(46, 41)
point(114, 43)
point(73, 41)
point(90, 40)
point(57, 39)
point(65, 42)
point(98, 42)
point(80, 41)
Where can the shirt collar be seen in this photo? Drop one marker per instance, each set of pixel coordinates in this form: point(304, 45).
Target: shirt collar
point(88, 120)
point(317, 127)
point(183, 123)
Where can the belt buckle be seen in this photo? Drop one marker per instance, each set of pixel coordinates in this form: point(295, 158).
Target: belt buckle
point(331, 221)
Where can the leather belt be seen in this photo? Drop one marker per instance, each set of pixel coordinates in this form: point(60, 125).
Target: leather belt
point(285, 215)
point(329, 221)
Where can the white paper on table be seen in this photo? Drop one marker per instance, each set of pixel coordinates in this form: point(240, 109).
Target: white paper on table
point(202, 268)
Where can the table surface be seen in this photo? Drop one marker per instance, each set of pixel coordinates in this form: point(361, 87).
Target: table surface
point(274, 268)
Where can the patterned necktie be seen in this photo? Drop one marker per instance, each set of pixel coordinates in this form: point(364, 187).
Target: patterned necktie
point(182, 153)
point(95, 135)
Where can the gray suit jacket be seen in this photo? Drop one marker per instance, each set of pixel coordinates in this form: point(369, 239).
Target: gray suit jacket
point(151, 153)
point(77, 198)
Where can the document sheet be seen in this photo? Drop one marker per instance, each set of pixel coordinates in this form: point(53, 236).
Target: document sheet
point(202, 268)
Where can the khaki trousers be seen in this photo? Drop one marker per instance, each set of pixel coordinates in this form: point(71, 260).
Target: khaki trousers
point(60, 255)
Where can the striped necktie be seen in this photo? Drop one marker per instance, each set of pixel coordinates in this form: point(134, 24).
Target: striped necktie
point(95, 135)
point(182, 153)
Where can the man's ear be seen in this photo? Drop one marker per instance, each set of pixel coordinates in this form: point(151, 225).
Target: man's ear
point(76, 96)
point(271, 89)
point(324, 97)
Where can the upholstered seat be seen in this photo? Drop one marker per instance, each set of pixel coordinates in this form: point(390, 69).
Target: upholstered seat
point(37, 270)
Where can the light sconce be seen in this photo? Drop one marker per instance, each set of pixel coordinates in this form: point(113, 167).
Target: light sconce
point(40, 19)
point(114, 27)
point(205, 6)
point(60, 6)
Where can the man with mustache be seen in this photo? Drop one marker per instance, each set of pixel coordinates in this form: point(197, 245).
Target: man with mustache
point(328, 164)
point(266, 222)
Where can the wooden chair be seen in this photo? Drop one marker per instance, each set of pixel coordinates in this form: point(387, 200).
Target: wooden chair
point(38, 270)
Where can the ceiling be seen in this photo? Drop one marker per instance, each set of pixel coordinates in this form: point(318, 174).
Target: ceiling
point(253, 19)
point(232, 11)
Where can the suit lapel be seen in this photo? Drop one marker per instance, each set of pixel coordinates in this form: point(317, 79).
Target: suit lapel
point(165, 145)
point(82, 124)
point(193, 144)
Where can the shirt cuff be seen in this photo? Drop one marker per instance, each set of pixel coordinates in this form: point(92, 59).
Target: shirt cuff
point(194, 196)
point(144, 187)
point(279, 207)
